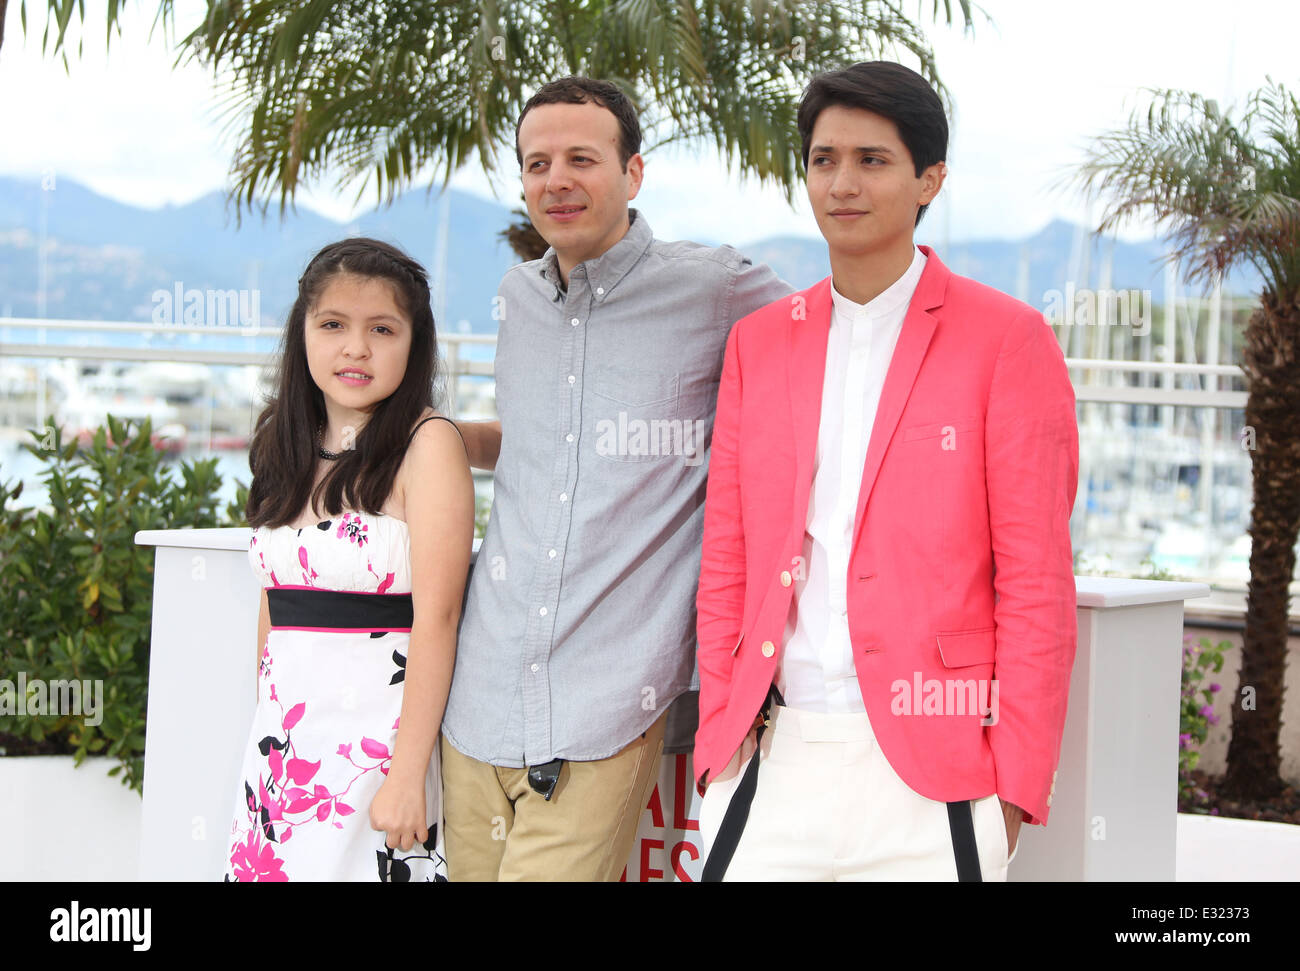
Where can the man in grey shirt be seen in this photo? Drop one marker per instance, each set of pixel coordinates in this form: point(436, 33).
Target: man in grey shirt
point(579, 626)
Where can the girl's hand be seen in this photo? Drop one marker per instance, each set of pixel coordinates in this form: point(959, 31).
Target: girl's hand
point(398, 809)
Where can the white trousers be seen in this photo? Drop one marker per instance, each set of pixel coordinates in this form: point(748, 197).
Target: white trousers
point(830, 807)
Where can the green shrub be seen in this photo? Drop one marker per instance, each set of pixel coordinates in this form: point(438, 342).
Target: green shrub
point(77, 590)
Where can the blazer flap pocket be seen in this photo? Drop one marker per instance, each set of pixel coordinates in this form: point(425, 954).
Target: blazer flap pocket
point(937, 428)
point(960, 648)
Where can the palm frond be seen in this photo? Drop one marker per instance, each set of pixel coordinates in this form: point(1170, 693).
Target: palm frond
point(374, 94)
point(1226, 191)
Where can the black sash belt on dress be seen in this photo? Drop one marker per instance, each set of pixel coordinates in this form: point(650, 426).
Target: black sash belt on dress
point(339, 610)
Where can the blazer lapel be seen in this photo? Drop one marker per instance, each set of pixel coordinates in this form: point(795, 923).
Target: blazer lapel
point(913, 341)
point(810, 325)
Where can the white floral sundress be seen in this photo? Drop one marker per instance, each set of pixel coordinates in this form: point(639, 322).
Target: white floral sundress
point(328, 709)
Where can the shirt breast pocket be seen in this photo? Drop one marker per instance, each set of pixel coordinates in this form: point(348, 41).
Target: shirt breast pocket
point(634, 414)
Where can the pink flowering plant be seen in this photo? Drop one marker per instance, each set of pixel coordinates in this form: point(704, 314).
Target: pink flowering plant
point(1201, 660)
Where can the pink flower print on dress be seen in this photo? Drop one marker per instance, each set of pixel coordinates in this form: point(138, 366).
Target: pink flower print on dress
point(301, 771)
point(352, 527)
point(308, 574)
point(273, 806)
point(251, 860)
point(294, 715)
point(385, 583)
point(376, 750)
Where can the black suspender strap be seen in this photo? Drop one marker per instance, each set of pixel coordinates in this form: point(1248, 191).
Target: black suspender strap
point(963, 842)
point(960, 821)
point(737, 814)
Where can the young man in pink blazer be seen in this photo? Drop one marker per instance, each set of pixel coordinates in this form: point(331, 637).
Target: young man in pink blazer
point(887, 552)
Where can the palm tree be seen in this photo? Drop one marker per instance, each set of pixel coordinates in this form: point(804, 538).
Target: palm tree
point(377, 91)
point(1229, 189)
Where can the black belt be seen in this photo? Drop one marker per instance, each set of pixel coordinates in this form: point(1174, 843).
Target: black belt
point(339, 610)
point(960, 824)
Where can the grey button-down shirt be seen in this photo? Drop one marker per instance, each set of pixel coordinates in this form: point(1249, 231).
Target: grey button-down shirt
point(579, 624)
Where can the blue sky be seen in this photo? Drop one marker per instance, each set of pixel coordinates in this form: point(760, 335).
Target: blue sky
point(1030, 89)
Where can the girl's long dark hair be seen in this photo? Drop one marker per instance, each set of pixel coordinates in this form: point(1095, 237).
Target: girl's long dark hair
point(283, 456)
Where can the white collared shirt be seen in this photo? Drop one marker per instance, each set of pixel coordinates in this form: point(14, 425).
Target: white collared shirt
point(817, 672)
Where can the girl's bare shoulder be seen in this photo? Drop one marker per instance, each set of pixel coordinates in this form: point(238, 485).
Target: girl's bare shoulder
point(433, 443)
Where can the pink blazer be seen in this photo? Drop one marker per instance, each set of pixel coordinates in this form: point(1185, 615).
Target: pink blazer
point(961, 568)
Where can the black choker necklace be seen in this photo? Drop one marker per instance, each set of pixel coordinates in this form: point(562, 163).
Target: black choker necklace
point(321, 450)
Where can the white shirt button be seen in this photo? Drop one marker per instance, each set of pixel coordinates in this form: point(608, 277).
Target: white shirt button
point(535, 668)
point(600, 291)
point(564, 497)
point(574, 321)
point(551, 554)
point(768, 649)
point(542, 611)
point(569, 437)
point(572, 379)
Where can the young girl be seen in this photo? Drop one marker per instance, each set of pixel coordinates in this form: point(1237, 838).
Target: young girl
point(362, 506)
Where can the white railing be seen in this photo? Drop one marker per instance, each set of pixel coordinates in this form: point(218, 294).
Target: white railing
point(457, 366)
point(1128, 394)
point(450, 341)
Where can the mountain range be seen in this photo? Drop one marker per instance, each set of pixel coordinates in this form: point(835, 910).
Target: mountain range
point(106, 259)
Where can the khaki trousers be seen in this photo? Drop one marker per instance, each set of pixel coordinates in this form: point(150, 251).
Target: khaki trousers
point(498, 828)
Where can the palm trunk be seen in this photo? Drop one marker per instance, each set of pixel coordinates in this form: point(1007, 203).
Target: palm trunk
point(1271, 361)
